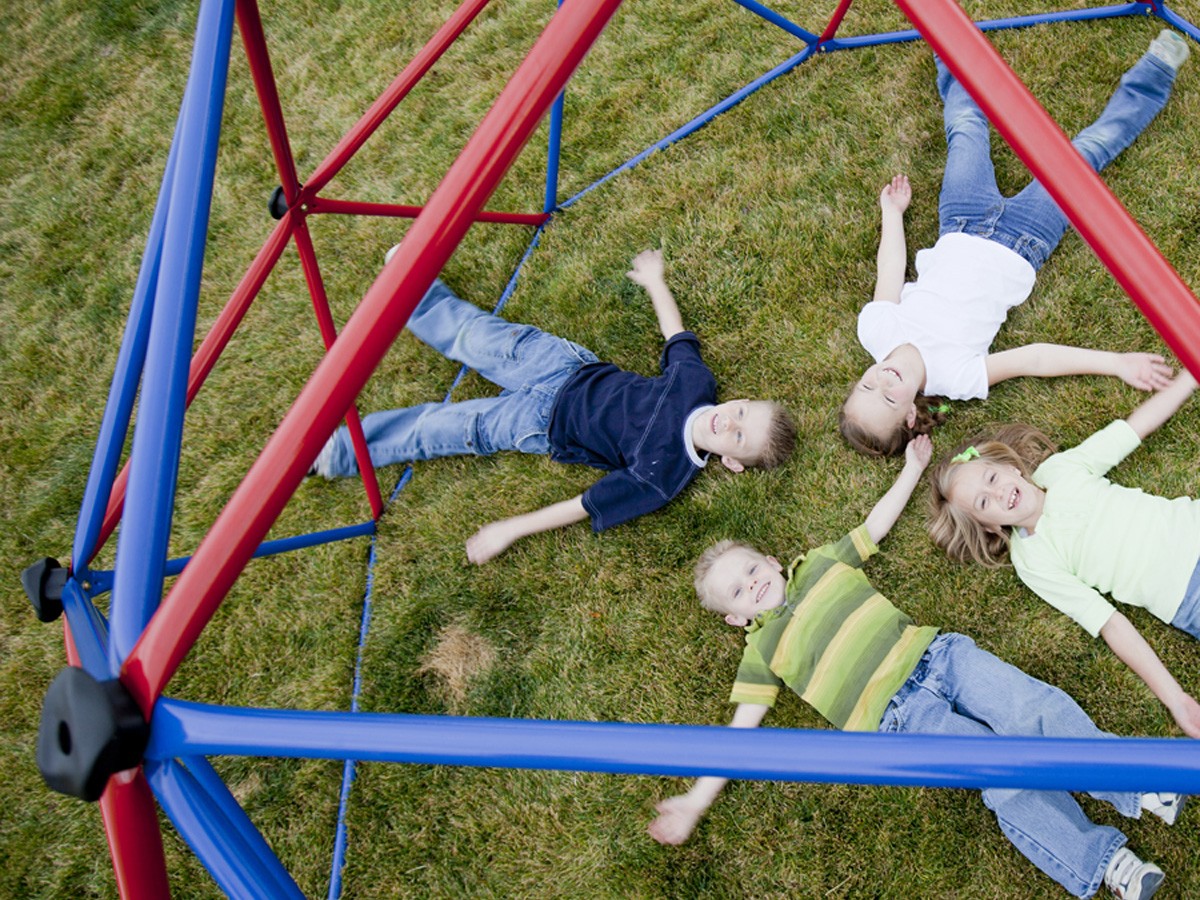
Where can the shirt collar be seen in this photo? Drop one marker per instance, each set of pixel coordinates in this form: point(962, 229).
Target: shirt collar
point(697, 460)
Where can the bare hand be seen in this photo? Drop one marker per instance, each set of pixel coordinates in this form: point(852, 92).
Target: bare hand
point(1146, 371)
point(676, 820)
point(647, 268)
point(1187, 713)
point(919, 451)
point(490, 541)
point(896, 194)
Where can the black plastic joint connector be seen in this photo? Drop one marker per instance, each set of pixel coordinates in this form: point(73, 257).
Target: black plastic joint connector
point(90, 730)
point(278, 204)
point(43, 583)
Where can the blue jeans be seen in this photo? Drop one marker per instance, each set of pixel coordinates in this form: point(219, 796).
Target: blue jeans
point(530, 365)
point(1031, 223)
point(962, 690)
point(1187, 617)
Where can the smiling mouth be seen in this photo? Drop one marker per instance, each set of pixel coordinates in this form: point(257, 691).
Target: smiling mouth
point(713, 423)
point(1014, 498)
point(895, 374)
point(762, 592)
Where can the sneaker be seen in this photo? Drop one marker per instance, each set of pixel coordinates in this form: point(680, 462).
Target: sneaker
point(320, 465)
point(1131, 879)
point(1164, 805)
point(387, 257)
point(1170, 47)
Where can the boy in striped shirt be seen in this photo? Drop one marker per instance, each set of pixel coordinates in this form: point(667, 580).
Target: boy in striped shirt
point(825, 632)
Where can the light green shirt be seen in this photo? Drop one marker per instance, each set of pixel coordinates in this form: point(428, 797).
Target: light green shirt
point(836, 641)
point(1095, 537)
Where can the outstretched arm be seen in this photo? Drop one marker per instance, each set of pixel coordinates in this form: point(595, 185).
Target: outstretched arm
point(890, 505)
point(648, 272)
point(1147, 371)
point(1133, 650)
point(678, 816)
point(1147, 418)
point(494, 538)
point(892, 259)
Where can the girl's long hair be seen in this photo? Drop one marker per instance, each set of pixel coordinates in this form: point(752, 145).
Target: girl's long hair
point(956, 531)
point(931, 412)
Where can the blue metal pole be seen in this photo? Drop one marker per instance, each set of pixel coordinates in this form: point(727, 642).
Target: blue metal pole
point(1075, 15)
point(776, 19)
point(554, 149)
point(286, 545)
point(142, 546)
point(89, 630)
point(208, 781)
point(114, 424)
point(219, 844)
point(682, 750)
point(1183, 25)
point(699, 121)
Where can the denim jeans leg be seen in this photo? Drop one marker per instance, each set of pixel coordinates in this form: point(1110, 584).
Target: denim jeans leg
point(960, 689)
point(969, 196)
point(1187, 617)
point(516, 420)
point(1141, 95)
point(505, 353)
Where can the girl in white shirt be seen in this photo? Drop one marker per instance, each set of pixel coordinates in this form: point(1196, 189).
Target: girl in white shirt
point(931, 338)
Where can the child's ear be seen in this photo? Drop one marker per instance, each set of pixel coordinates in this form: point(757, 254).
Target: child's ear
point(733, 465)
point(911, 419)
point(736, 621)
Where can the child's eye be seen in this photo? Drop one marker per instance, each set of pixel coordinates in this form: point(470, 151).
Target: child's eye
point(739, 437)
point(737, 592)
point(754, 568)
point(741, 412)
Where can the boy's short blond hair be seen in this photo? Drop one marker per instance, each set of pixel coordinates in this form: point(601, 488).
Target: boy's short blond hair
point(704, 565)
point(780, 439)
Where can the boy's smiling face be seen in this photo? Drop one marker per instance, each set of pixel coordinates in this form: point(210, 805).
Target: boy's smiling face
point(735, 430)
point(744, 583)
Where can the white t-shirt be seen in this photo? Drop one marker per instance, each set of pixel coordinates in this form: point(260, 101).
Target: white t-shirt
point(964, 289)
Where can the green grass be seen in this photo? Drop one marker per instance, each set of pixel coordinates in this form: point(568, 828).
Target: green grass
point(768, 219)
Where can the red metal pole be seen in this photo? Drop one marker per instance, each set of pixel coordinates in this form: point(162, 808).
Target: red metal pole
point(1169, 305)
point(835, 21)
point(430, 241)
point(396, 91)
point(209, 351)
point(255, 42)
point(318, 205)
point(134, 838)
point(316, 288)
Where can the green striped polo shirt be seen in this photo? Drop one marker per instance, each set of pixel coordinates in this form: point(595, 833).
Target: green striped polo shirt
point(835, 641)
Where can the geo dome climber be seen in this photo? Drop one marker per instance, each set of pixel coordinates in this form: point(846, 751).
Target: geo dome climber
point(110, 733)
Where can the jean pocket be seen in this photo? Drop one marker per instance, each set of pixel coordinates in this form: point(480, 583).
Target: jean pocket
point(1032, 249)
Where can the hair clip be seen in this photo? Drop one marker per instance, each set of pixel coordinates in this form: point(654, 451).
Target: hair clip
point(967, 455)
point(940, 408)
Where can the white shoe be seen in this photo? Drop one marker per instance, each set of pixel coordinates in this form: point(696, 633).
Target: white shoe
point(1164, 805)
point(1170, 47)
point(387, 257)
point(1131, 879)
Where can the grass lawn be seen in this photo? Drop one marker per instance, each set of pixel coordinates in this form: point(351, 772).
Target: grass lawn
point(768, 219)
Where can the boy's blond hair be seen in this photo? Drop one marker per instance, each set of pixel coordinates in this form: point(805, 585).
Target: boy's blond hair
point(780, 439)
point(956, 531)
point(704, 565)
